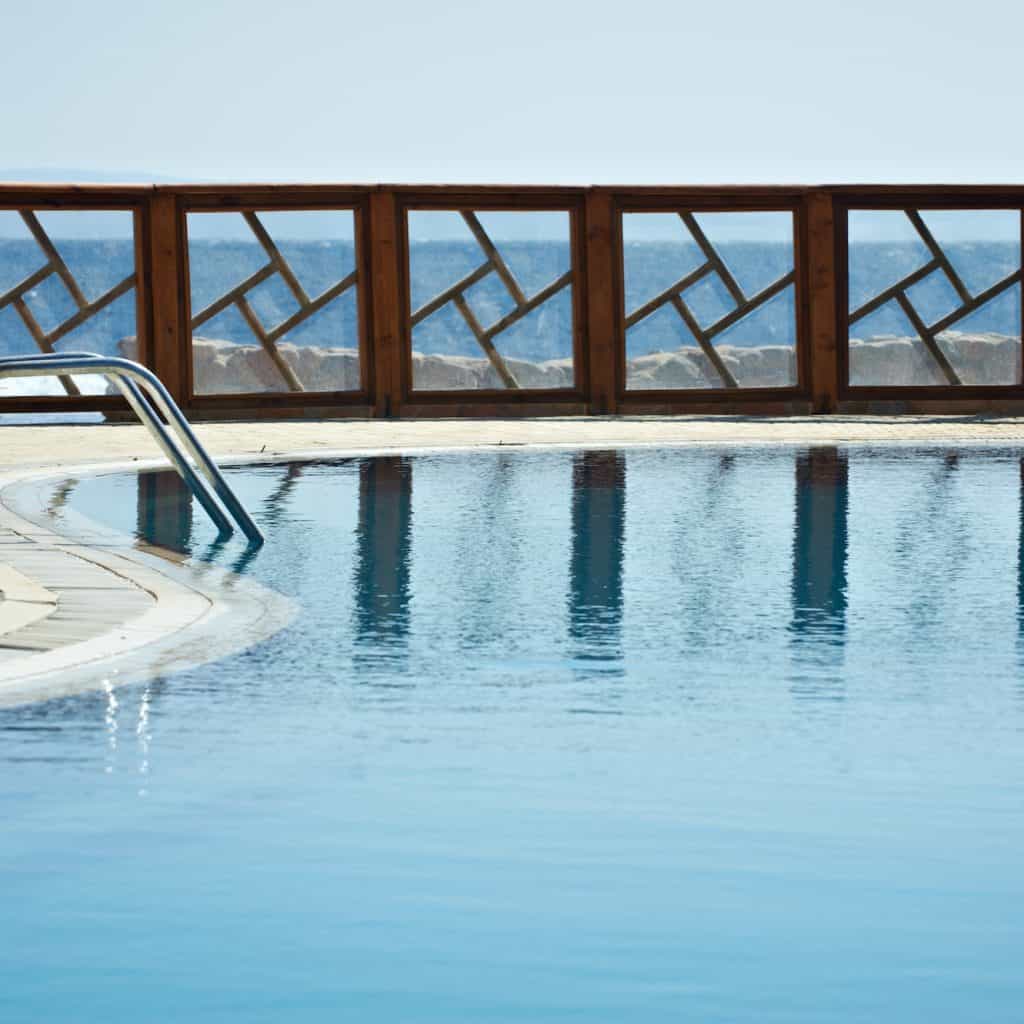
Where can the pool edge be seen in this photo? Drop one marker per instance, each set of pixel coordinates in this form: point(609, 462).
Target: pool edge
point(192, 608)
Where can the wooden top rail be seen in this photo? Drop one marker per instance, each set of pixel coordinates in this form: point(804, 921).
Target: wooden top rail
point(15, 191)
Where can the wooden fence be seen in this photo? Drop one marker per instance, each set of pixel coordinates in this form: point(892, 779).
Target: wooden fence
point(597, 371)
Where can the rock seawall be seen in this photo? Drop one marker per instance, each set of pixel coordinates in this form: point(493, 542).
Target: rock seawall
point(977, 359)
point(221, 367)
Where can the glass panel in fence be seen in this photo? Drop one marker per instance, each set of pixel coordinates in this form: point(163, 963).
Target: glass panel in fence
point(274, 301)
point(67, 283)
point(491, 299)
point(709, 300)
point(935, 297)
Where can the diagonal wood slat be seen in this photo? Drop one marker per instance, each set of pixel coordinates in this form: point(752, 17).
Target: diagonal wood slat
point(230, 297)
point(287, 373)
point(443, 298)
point(530, 305)
point(313, 306)
point(750, 305)
point(25, 286)
point(659, 300)
point(495, 357)
point(728, 380)
point(977, 302)
point(713, 264)
point(938, 255)
point(91, 309)
point(276, 265)
point(494, 257)
point(929, 339)
point(456, 295)
point(16, 296)
point(279, 262)
point(53, 258)
point(969, 303)
point(892, 291)
point(43, 343)
point(712, 257)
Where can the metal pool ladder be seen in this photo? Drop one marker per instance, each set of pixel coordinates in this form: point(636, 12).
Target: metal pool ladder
point(150, 400)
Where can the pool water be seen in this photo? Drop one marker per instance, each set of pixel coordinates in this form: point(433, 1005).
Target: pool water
point(653, 735)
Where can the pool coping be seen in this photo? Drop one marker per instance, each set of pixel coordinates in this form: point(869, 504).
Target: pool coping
point(193, 608)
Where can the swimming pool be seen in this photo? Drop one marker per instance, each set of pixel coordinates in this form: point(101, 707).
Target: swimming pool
point(654, 734)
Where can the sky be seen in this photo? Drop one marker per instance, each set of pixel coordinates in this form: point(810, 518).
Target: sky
point(538, 91)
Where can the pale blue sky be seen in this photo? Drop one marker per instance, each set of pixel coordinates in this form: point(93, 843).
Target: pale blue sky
point(534, 91)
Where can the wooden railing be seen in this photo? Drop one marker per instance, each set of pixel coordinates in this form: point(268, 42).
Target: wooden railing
point(376, 356)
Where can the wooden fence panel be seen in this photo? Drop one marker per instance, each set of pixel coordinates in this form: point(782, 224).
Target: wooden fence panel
point(820, 278)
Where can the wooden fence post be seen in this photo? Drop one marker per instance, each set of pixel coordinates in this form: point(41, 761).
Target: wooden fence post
point(170, 341)
point(385, 269)
point(821, 283)
point(602, 317)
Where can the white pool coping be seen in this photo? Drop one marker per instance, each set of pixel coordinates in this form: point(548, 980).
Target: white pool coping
point(181, 615)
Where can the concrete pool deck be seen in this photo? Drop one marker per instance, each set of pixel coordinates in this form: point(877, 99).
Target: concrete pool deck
point(77, 612)
point(70, 444)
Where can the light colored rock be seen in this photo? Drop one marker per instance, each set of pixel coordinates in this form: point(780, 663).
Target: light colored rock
point(685, 368)
point(977, 359)
point(223, 368)
point(441, 373)
point(760, 367)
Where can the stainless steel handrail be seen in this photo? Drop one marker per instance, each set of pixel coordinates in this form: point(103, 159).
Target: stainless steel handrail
point(149, 399)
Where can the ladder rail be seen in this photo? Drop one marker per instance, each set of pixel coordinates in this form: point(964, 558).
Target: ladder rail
point(134, 397)
point(149, 399)
point(162, 399)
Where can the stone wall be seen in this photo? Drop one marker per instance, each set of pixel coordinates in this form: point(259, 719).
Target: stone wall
point(225, 368)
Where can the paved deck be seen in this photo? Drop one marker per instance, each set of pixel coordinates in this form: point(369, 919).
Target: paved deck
point(65, 605)
point(67, 445)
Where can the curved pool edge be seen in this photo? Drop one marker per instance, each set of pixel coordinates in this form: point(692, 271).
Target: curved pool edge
point(183, 614)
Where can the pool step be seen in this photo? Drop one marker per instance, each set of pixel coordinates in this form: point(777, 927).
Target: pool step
point(55, 595)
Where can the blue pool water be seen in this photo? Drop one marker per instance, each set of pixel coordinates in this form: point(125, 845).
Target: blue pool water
point(654, 735)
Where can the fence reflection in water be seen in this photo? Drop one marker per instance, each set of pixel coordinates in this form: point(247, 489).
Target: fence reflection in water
point(839, 565)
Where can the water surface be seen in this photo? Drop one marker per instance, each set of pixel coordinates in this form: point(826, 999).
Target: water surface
point(694, 734)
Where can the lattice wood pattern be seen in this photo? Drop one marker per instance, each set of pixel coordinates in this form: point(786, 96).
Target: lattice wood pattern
point(493, 264)
point(276, 264)
point(713, 264)
point(969, 302)
point(45, 340)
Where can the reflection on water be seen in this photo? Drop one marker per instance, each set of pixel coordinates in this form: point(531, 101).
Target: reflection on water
point(820, 551)
point(820, 544)
point(595, 569)
point(164, 511)
point(383, 559)
point(597, 590)
point(60, 496)
point(275, 505)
